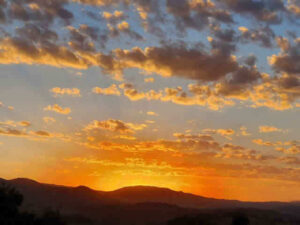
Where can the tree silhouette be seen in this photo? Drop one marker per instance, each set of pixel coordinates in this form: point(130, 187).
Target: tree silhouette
point(11, 200)
point(51, 217)
point(240, 219)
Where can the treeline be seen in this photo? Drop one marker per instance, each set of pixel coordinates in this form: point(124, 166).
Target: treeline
point(236, 218)
point(10, 213)
point(242, 216)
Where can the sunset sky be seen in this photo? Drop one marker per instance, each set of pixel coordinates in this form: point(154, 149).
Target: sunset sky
point(200, 96)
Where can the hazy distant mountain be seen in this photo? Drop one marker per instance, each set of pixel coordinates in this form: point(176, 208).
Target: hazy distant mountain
point(130, 205)
point(138, 194)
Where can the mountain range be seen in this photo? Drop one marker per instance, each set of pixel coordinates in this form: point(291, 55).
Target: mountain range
point(131, 205)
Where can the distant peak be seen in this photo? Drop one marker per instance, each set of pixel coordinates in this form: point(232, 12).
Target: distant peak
point(143, 188)
point(83, 188)
point(23, 180)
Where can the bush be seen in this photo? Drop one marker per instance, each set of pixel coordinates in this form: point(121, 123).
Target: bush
point(240, 219)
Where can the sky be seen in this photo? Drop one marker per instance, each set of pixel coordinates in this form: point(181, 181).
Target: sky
point(200, 96)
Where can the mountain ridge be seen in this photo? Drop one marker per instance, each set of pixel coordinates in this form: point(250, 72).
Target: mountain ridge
point(135, 188)
point(132, 204)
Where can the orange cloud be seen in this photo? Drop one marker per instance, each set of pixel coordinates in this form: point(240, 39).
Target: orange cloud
point(49, 120)
point(150, 121)
point(113, 16)
point(293, 6)
point(149, 80)
point(12, 123)
point(123, 26)
point(111, 90)
point(261, 142)
point(287, 60)
point(269, 129)
point(150, 113)
point(295, 149)
point(115, 126)
point(65, 91)
point(178, 96)
point(25, 123)
point(177, 61)
point(222, 132)
point(270, 93)
point(12, 132)
point(239, 152)
point(40, 135)
point(194, 137)
point(58, 109)
point(17, 52)
point(244, 131)
point(277, 93)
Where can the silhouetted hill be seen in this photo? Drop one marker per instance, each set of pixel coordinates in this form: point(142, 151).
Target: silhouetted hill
point(242, 216)
point(130, 205)
point(138, 194)
point(48, 195)
point(164, 195)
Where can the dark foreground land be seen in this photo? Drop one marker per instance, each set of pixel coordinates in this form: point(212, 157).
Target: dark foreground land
point(26, 202)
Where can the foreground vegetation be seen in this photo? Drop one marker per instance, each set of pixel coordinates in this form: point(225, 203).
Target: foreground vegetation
point(10, 214)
